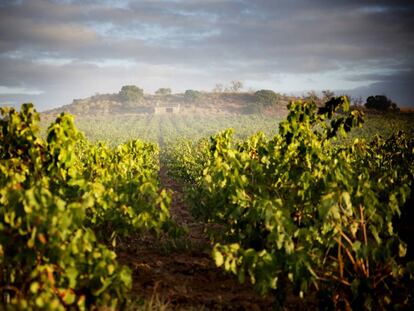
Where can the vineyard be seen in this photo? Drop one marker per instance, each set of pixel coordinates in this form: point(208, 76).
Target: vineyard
point(164, 129)
point(173, 212)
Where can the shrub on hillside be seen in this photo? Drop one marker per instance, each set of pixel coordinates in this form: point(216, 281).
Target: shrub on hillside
point(192, 95)
point(266, 98)
point(380, 102)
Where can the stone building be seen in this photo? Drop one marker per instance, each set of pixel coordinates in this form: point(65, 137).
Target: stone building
point(166, 109)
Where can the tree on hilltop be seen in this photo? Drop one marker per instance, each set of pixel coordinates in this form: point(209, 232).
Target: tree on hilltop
point(163, 91)
point(236, 86)
point(381, 103)
point(192, 95)
point(131, 94)
point(266, 98)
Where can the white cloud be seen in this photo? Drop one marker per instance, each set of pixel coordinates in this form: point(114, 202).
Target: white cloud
point(19, 90)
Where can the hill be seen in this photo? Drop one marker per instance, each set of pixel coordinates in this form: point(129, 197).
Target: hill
point(190, 102)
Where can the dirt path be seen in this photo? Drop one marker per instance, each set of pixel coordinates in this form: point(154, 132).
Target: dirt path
point(183, 275)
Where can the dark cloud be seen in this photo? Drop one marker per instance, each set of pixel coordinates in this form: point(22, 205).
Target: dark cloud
point(53, 45)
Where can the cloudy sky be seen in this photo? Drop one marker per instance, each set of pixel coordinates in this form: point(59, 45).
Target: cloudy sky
point(52, 51)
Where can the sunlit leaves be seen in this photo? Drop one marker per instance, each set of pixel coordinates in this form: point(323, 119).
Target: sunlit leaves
point(302, 206)
point(56, 195)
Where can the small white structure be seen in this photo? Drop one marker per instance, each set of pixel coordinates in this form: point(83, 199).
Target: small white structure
point(166, 109)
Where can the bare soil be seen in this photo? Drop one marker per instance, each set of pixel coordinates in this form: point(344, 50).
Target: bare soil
point(182, 274)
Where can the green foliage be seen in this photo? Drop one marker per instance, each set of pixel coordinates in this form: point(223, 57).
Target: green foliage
point(123, 186)
point(163, 91)
point(381, 103)
point(185, 159)
point(169, 128)
point(266, 98)
point(192, 95)
point(131, 94)
point(56, 195)
point(301, 208)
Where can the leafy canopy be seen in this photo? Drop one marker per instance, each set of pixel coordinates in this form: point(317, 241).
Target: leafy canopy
point(380, 102)
point(131, 93)
point(266, 98)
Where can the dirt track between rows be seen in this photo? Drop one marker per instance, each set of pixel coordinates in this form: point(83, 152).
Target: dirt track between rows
point(182, 275)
